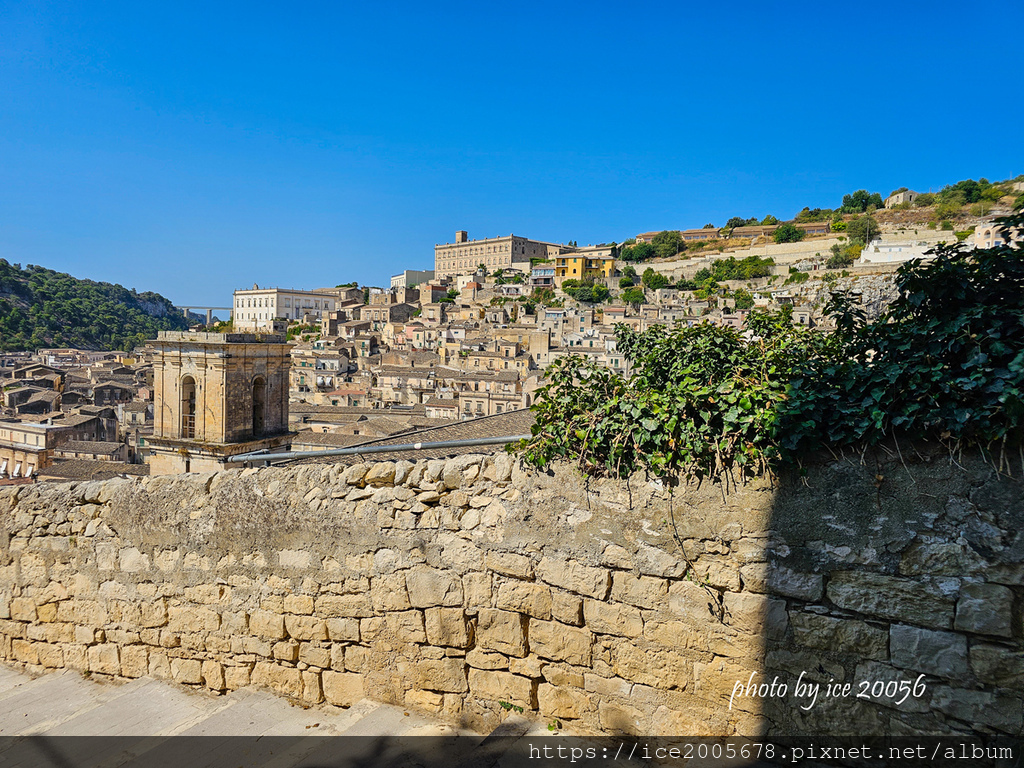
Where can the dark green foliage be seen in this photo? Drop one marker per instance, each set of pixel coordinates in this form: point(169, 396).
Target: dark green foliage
point(863, 228)
point(638, 252)
point(945, 361)
point(41, 308)
point(788, 233)
point(731, 269)
point(797, 277)
point(839, 260)
point(809, 215)
point(860, 201)
point(303, 332)
point(653, 280)
point(625, 282)
point(585, 290)
point(668, 243)
point(634, 296)
point(739, 221)
point(743, 299)
point(701, 399)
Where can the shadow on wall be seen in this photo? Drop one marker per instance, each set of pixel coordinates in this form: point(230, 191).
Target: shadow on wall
point(874, 597)
point(896, 591)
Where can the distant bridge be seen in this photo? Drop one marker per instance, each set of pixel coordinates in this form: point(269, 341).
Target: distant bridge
point(209, 311)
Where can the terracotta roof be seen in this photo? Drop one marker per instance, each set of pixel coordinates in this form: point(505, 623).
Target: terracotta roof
point(89, 446)
point(327, 439)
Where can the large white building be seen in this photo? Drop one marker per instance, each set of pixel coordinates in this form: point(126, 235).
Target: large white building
point(464, 255)
point(411, 277)
point(256, 308)
point(877, 252)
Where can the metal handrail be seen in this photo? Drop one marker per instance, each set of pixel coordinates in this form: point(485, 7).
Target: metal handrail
point(360, 449)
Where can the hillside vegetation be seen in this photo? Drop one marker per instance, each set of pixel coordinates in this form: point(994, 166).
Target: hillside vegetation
point(43, 308)
point(945, 361)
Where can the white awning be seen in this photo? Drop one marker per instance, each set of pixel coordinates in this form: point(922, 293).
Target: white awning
point(17, 470)
point(3, 467)
point(28, 472)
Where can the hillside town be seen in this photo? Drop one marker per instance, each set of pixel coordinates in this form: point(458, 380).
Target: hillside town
point(469, 339)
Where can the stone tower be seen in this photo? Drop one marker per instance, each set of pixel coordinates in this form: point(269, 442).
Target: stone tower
point(217, 395)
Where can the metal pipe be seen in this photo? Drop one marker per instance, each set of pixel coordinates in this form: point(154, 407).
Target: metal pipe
point(360, 449)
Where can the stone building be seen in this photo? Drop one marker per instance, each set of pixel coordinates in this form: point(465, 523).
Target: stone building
point(25, 448)
point(899, 197)
point(257, 308)
point(217, 395)
point(464, 255)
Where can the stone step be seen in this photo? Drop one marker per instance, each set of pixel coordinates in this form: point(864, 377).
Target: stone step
point(45, 702)
point(10, 678)
point(139, 717)
point(260, 713)
point(144, 707)
point(497, 745)
point(387, 720)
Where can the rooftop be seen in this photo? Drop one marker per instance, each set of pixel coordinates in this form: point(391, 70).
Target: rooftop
point(499, 425)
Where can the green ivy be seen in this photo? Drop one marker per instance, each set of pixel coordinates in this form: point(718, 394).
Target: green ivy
point(701, 400)
point(946, 360)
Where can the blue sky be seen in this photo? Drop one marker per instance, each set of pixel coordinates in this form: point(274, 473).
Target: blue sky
point(195, 148)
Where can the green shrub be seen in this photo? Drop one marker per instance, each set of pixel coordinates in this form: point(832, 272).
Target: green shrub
point(945, 361)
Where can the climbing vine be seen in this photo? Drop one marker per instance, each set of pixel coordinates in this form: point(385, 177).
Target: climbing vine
point(946, 361)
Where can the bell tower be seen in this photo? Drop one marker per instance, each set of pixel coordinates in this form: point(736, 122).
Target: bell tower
point(217, 395)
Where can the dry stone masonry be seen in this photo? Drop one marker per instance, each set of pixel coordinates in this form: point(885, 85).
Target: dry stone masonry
point(468, 585)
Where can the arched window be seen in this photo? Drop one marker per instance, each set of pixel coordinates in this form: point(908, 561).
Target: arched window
point(259, 405)
point(188, 407)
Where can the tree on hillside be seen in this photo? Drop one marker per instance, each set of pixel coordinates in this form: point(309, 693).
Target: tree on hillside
point(743, 299)
point(788, 233)
point(809, 215)
point(863, 228)
point(668, 243)
point(633, 296)
point(860, 201)
point(769, 221)
point(638, 252)
point(653, 280)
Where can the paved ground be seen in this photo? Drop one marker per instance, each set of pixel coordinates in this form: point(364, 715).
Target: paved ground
point(41, 717)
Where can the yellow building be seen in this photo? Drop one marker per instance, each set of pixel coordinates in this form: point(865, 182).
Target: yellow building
point(597, 262)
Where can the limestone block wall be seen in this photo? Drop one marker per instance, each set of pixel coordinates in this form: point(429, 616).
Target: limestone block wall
point(470, 585)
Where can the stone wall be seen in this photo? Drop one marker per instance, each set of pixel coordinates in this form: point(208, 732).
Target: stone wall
point(469, 585)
